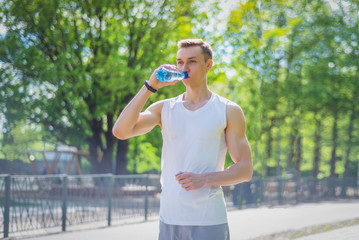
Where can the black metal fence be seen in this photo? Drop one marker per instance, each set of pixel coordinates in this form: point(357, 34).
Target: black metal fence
point(37, 202)
point(277, 191)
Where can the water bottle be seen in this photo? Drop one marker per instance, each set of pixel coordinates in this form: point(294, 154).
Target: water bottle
point(169, 75)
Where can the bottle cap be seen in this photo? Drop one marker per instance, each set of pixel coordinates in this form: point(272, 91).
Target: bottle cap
point(185, 75)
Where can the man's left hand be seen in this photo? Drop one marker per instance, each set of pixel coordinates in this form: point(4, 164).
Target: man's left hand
point(190, 181)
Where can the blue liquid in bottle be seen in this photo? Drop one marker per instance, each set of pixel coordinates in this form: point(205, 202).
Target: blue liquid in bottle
point(168, 75)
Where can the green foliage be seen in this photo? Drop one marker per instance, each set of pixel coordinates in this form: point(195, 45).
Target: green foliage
point(295, 62)
point(20, 139)
point(144, 157)
point(71, 67)
point(82, 61)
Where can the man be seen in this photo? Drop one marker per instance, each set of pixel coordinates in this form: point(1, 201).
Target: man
point(197, 128)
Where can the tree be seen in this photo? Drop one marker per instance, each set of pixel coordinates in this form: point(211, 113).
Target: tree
point(84, 60)
point(295, 61)
point(258, 32)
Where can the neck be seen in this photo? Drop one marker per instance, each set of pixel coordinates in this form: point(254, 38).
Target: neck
point(197, 94)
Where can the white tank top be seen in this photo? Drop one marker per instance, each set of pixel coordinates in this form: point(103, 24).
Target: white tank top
point(193, 141)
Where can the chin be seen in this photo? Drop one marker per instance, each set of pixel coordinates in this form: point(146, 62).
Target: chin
point(186, 81)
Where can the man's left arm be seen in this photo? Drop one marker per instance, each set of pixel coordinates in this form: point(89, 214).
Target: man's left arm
point(239, 150)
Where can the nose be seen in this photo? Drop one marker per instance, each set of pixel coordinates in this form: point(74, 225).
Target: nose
point(185, 67)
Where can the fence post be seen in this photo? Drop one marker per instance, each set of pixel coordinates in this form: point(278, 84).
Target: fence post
point(297, 188)
point(261, 193)
point(109, 194)
point(331, 187)
point(279, 189)
point(257, 196)
point(343, 185)
point(146, 197)
point(235, 196)
point(64, 201)
point(7, 205)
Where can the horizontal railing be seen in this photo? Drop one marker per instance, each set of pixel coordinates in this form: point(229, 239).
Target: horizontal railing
point(37, 202)
point(277, 191)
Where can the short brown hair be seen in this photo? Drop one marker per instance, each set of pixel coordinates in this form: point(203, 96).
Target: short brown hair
point(206, 48)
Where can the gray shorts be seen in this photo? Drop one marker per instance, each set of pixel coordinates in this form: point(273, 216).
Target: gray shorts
point(177, 232)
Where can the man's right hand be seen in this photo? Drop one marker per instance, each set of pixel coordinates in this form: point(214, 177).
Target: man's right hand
point(155, 83)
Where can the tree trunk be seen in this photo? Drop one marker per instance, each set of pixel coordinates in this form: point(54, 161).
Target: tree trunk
point(317, 147)
point(334, 148)
point(292, 144)
point(269, 144)
point(299, 149)
point(291, 150)
point(279, 168)
point(100, 156)
point(121, 157)
point(348, 150)
point(95, 147)
point(135, 160)
point(350, 139)
point(269, 150)
point(106, 163)
point(317, 152)
point(110, 145)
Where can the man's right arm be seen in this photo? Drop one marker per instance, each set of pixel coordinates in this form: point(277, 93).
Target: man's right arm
point(131, 121)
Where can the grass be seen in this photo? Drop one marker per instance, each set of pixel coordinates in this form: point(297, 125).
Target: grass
point(293, 234)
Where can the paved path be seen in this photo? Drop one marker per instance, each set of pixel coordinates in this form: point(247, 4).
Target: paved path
point(244, 224)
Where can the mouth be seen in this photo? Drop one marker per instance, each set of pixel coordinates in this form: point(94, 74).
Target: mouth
point(186, 75)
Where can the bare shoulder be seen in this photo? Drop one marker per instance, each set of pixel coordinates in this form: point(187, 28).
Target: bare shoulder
point(156, 107)
point(235, 118)
point(155, 110)
point(234, 112)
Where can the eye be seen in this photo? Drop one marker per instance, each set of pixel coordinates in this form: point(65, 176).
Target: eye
point(179, 63)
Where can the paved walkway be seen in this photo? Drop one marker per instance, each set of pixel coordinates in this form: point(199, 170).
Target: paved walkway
point(245, 224)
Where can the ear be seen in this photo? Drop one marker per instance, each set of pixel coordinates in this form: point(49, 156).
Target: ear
point(209, 64)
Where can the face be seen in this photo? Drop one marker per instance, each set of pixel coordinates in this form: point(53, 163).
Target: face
point(192, 61)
